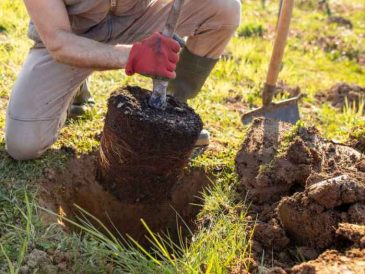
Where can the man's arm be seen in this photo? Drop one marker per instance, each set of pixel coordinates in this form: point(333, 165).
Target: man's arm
point(52, 23)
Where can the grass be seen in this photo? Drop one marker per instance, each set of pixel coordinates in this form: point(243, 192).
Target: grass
point(313, 61)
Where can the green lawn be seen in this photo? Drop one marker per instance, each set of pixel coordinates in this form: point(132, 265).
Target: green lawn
point(239, 76)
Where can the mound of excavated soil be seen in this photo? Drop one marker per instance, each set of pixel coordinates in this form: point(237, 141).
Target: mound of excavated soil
point(301, 187)
point(341, 93)
point(144, 150)
point(77, 184)
point(276, 159)
point(333, 262)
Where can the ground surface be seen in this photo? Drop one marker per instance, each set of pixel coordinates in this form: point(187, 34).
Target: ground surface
point(322, 53)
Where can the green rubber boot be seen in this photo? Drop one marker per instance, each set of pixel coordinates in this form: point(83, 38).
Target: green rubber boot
point(191, 73)
point(82, 102)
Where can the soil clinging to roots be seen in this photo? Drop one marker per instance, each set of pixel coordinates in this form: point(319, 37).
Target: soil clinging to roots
point(308, 195)
point(144, 150)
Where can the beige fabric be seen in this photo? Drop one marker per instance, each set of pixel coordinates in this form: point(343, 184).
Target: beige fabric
point(45, 88)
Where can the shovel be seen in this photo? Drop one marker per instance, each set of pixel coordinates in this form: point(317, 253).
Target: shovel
point(287, 110)
point(158, 97)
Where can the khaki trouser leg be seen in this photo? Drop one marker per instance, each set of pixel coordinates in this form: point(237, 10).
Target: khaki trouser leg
point(38, 105)
point(208, 24)
point(45, 88)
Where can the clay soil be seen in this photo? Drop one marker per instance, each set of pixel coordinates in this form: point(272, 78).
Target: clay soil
point(308, 198)
point(77, 185)
point(143, 151)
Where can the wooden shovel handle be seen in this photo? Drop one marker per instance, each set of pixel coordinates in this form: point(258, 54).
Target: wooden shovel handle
point(280, 42)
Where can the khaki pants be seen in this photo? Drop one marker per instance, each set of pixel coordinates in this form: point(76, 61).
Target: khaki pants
point(45, 88)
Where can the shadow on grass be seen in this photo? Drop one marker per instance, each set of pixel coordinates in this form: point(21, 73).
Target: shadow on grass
point(11, 170)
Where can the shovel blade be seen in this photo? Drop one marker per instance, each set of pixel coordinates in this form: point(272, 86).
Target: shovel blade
point(285, 111)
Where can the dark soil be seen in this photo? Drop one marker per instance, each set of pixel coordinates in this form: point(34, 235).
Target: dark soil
point(341, 93)
point(143, 150)
point(78, 185)
point(357, 141)
point(284, 89)
point(337, 47)
point(341, 21)
point(302, 188)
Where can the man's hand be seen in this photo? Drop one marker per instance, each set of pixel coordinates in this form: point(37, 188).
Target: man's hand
point(155, 56)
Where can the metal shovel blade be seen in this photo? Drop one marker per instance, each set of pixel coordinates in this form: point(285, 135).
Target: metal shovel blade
point(286, 111)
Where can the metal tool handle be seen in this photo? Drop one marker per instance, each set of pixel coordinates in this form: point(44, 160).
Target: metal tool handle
point(278, 51)
point(158, 97)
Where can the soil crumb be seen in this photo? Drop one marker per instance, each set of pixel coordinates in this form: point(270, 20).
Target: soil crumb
point(77, 185)
point(144, 150)
point(307, 194)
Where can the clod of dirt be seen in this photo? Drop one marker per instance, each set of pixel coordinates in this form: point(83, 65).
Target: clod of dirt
point(270, 235)
point(311, 217)
point(144, 150)
point(337, 191)
point(258, 149)
point(333, 262)
point(307, 253)
point(77, 184)
point(276, 160)
point(341, 93)
point(353, 233)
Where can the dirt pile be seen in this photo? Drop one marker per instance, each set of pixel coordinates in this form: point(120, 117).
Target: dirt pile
point(77, 184)
point(276, 160)
point(341, 21)
point(144, 150)
point(302, 187)
point(342, 93)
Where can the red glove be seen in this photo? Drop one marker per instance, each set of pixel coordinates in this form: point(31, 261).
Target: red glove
point(155, 56)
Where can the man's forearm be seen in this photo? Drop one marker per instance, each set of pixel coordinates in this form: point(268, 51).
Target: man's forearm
point(82, 52)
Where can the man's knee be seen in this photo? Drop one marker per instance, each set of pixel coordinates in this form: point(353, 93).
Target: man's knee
point(228, 12)
point(21, 151)
point(25, 140)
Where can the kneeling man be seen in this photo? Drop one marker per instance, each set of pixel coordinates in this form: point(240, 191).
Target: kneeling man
point(73, 38)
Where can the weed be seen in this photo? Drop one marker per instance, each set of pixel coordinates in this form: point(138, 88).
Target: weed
point(250, 30)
